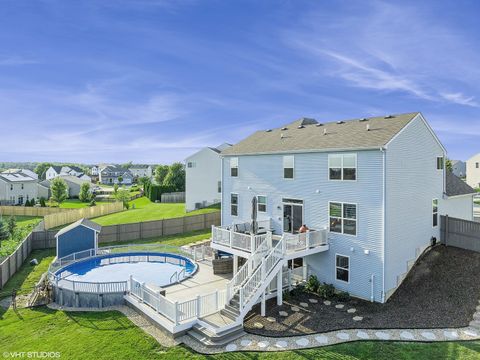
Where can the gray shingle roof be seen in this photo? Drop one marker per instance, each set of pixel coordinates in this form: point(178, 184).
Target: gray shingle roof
point(455, 186)
point(84, 222)
point(308, 135)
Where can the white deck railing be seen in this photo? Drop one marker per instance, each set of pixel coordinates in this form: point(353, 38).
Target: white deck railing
point(228, 237)
point(304, 241)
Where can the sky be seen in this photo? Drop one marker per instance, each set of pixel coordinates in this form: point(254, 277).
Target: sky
point(153, 81)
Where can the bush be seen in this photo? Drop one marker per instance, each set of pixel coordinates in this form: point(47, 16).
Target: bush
point(43, 202)
point(312, 284)
point(297, 290)
point(4, 235)
point(326, 291)
point(93, 203)
point(154, 192)
point(134, 188)
point(343, 296)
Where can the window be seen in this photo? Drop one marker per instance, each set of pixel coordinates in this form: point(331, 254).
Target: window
point(191, 164)
point(262, 203)
point(342, 268)
point(22, 186)
point(435, 212)
point(219, 186)
point(477, 165)
point(288, 166)
point(343, 218)
point(234, 167)
point(440, 163)
point(234, 204)
point(11, 187)
point(342, 167)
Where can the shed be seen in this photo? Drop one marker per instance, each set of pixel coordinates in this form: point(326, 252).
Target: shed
point(79, 236)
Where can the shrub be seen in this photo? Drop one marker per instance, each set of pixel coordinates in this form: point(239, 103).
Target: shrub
point(326, 291)
point(286, 295)
point(43, 202)
point(297, 290)
point(4, 235)
point(93, 203)
point(312, 284)
point(343, 296)
point(11, 225)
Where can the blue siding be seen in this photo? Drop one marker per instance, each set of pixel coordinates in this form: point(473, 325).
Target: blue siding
point(78, 239)
point(264, 175)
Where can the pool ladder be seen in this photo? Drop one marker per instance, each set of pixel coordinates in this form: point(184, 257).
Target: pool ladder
point(177, 276)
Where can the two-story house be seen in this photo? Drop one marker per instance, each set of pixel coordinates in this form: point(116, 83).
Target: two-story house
point(114, 174)
point(370, 191)
point(473, 171)
point(140, 170)
point(17, 186)
point(459, 168)
point(56, 170)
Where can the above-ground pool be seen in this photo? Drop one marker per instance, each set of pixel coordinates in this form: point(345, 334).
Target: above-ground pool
point(159, 269)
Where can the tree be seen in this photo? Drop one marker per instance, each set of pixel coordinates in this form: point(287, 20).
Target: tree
point(161, 172)
point(115, 189)
point(43, 202)
point(41, 169)
point(85, 194)
point(59, 188)
point(175, 177)
point(123, 195)
point(127, 165)
point(449, 165)
point(11, 225)
point(4, 235)
point(144, 182)
point(120, 179)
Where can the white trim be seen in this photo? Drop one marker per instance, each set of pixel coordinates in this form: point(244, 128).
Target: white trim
point(283, 167)
point(342, 218)
point(231, 168)
point(335, 268)
point(266, 203)
point(342, 167)
point(438, 213)
point(443, 163)
point(88, 227)
point(290, 203)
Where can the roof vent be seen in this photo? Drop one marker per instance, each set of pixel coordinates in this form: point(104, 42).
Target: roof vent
point(284, 128)
point(269, 130)
point(368, 127)
point(300, 126)
point(363, 119)
point(319, 124)
point(389, 117)
point(324, 131)
point(340, 122)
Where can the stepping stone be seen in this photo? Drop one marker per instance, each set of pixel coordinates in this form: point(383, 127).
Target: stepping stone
point(357, 318)
point(327, 302)
point(295, 309)
point(343, 336)
point(407, 335)
point(339, 306)
point(428, 335)
point(382, 335)
point(351, 311)
point(303, 304)
point(363, 335)
point(246, 342)
point(258, 325)
point(271, 319)
point(321, 339)
point(231, 347)
point(313, 301)
point(451, 334)
point(263, 344)
point(281, 344)
point(302, 342)
point(471, 333)
point(283, 313)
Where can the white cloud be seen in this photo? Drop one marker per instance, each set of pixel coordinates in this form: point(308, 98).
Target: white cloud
point(461, 99)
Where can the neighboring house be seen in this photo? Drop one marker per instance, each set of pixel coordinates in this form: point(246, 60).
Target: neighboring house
point(473, 171)
point(55, 171)
point(74, 184)
point(203, 177)
point(375, 188)
point(111, 174)
point(139, 171)
point(17, 186)
point(94, 170)
point(27, 172)
point(459, 168)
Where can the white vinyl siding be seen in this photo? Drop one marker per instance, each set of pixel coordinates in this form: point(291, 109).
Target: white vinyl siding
point(342, 167)
point(288, 167)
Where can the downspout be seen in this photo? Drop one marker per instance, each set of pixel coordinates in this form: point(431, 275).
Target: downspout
point(372, 281)
point(222, 184)
point(382, 149)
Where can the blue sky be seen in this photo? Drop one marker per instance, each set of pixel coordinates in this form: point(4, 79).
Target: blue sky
point(152, 81)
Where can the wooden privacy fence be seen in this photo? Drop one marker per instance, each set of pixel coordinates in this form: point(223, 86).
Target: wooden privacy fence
point(10, 265)
point(30, 211)
point(460, 233)
point(68, 217)
point(176, 197)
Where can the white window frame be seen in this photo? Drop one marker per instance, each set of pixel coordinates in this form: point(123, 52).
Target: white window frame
point(342, 167)
point(335, 268)
point(435, 212)
point(258, 203)
point(343, 218)
point(237, 204)
point(443, 163)
point(293, 167)
point(232, 166)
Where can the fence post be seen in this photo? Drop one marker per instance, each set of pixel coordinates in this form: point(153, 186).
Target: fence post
point(446, 230)
point(203, 252)
point(199, 305)
point(216, 299)
point(176, 313)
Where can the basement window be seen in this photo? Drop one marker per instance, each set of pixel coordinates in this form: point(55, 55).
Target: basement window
point(342, 268)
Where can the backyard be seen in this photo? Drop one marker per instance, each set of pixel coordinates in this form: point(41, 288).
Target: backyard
point(111, 335)
point(77, 204)
point(25, 225)
point(142, 209)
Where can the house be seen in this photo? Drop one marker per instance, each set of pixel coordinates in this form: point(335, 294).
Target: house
point(370, 191)
point(139, 171)
point(74, 185)
point(27, 172)
point(17, 186)
point(54, 171)
point(94, 170)
point(459, 168)
point(112, 173)
point(203, 177)
point(473, 171)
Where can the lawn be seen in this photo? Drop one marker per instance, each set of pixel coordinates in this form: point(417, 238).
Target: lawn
point(142, 209)
point(77, 204)
point(25, 225)
point(110, 335)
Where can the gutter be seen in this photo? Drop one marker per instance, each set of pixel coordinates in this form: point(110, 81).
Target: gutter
point(306, 151)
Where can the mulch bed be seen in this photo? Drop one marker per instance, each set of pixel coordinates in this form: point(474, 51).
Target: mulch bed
point(442, 290)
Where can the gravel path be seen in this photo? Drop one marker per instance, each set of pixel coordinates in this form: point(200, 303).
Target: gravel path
point(440, 292)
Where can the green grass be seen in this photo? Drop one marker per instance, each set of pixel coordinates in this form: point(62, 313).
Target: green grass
point(145, 210)
point(25, 224)
point(77, 204)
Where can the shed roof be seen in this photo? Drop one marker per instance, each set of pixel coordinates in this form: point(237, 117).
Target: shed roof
point(82, 222)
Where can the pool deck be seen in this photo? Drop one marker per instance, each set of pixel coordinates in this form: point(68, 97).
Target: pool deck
point(201, 283)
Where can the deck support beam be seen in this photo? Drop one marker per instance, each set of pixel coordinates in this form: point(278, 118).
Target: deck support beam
point(279, 288)
point(262, 307)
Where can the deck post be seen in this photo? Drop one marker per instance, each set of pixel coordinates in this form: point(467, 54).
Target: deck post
point(279, 288)
point(262, 310)
point(252, 243)
point(199, 305)
point(216, 299)
point(235, 264)
point(176, 313)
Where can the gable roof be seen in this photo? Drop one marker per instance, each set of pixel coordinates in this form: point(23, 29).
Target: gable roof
point(82, 222)
point(140, 166)
point(75, 168)
point(16, 175)
point(455, 186)
point(309, 135)
point(57, 168)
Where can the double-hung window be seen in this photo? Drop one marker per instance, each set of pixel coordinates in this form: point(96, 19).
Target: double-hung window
point(234, 167)
point(234, 204)
point(342, 167)
point(288, 166)
point(440, 162)
point(435, 212)
point(262, 203)
point(342, 268)
point(343, 218)
point(191, 164)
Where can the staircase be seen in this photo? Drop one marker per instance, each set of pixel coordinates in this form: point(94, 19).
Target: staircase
point(247, 287)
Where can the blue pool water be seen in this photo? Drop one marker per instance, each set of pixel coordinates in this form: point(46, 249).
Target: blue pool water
point(150, 268)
